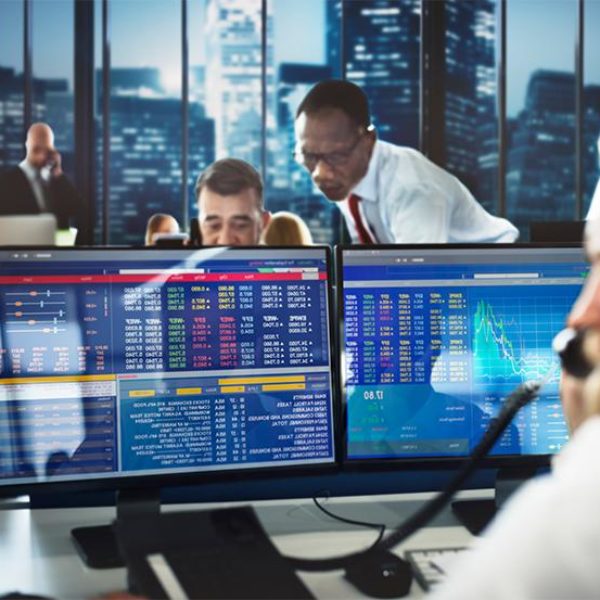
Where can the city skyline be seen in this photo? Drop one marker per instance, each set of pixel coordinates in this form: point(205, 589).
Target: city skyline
point(382, 53)
point(299, 36)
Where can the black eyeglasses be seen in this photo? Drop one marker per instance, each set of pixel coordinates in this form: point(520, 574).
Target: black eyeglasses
point(309, 160)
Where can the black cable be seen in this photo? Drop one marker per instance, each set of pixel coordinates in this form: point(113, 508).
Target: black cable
point(521, 396)
point(379, 526)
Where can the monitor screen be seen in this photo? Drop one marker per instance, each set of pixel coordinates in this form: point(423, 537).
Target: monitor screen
point(434, 338)
point(124, 363)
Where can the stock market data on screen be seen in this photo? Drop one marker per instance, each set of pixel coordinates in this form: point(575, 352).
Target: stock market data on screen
point(137, 362)
point(434, 339)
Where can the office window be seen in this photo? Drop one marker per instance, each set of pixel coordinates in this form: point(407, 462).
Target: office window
point(251, 61)
point(471, 113)
point(201, 127)
point(98, 206)
point(304, 37)
point(382, 55)
point(540, 178)
point(11, 83)
point(52, 61)
point(591, 101)
point(145, 116)
point(232, 31)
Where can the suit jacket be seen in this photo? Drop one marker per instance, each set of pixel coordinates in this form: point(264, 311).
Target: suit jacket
point(17, 196)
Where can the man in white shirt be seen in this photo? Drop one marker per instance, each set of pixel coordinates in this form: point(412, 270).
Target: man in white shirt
point(546, 541)
point(386, 193)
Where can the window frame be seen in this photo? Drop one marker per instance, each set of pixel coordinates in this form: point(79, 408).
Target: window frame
point(432, 98)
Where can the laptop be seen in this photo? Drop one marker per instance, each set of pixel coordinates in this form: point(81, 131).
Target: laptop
point(28, 230)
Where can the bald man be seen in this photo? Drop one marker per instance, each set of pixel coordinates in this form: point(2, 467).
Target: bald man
point(38, 183)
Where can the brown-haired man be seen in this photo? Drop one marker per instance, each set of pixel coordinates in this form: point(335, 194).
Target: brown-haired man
point(230, 204)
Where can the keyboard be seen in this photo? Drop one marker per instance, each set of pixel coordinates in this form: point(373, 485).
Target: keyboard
point(430, 567)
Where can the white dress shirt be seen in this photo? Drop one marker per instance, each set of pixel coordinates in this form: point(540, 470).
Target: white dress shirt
point(545, 543)
point(33, 176)
point(594, 210)
point(408, 199)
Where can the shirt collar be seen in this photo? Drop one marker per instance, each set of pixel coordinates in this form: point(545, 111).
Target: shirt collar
point(32, 173)
point(366, 188)
point(27, 169)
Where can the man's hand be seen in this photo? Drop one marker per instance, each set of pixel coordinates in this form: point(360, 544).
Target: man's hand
point(54, 162)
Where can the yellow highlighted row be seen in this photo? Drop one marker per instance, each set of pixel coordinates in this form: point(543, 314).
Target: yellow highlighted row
point(273, 379)
point(58, 379)
point(142, 393)
point(273, 387)
point(226, 389)
point(188, 391)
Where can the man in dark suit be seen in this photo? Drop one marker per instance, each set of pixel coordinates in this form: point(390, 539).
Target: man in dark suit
point(38, 184)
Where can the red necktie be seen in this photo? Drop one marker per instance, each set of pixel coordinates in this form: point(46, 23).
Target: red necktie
point(364, 235)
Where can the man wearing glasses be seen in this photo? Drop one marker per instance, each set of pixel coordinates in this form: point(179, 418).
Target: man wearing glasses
point(386, 193)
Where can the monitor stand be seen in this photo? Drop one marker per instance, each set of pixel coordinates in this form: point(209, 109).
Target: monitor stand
point(476, 514)
point(97, 545)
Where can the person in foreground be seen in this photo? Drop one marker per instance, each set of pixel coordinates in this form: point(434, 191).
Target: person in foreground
point(230, 204)
point(546, 541)
point(37, 184)
point(387, 193)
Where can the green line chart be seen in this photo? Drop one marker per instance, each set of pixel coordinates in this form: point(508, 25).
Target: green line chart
point(512, 338)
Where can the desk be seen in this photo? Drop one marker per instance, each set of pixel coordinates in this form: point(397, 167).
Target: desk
point(37, 555)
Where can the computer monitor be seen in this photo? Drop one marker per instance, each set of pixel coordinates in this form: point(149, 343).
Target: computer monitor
point(28, 230)
point(126, 368)
point(435, 337)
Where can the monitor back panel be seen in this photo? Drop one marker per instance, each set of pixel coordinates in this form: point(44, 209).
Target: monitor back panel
point(434, 338)
point(125, 363)
point(549, 232)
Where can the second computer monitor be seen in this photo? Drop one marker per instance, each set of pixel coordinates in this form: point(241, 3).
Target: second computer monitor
point(433, 339)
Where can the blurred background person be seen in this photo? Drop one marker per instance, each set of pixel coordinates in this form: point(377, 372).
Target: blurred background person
point(287, 229)
point(160, 224)
point(37, 184)
point(230, 204)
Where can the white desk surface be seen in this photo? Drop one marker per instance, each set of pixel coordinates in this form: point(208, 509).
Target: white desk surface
point(37, 555)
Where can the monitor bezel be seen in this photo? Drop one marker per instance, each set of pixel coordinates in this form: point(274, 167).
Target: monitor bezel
point(194, 478)
point(503, 461)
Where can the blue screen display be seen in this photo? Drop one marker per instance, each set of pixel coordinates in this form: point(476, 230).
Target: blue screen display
point(136, 362)
point(435, 339)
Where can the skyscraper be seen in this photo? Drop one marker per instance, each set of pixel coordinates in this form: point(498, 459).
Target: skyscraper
point(382, 49)
point(333, 36)
point(233, 33)
point(52, 103)
point(11, 117)
point(145, 152)
point(541, 158)
point(471, 123)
